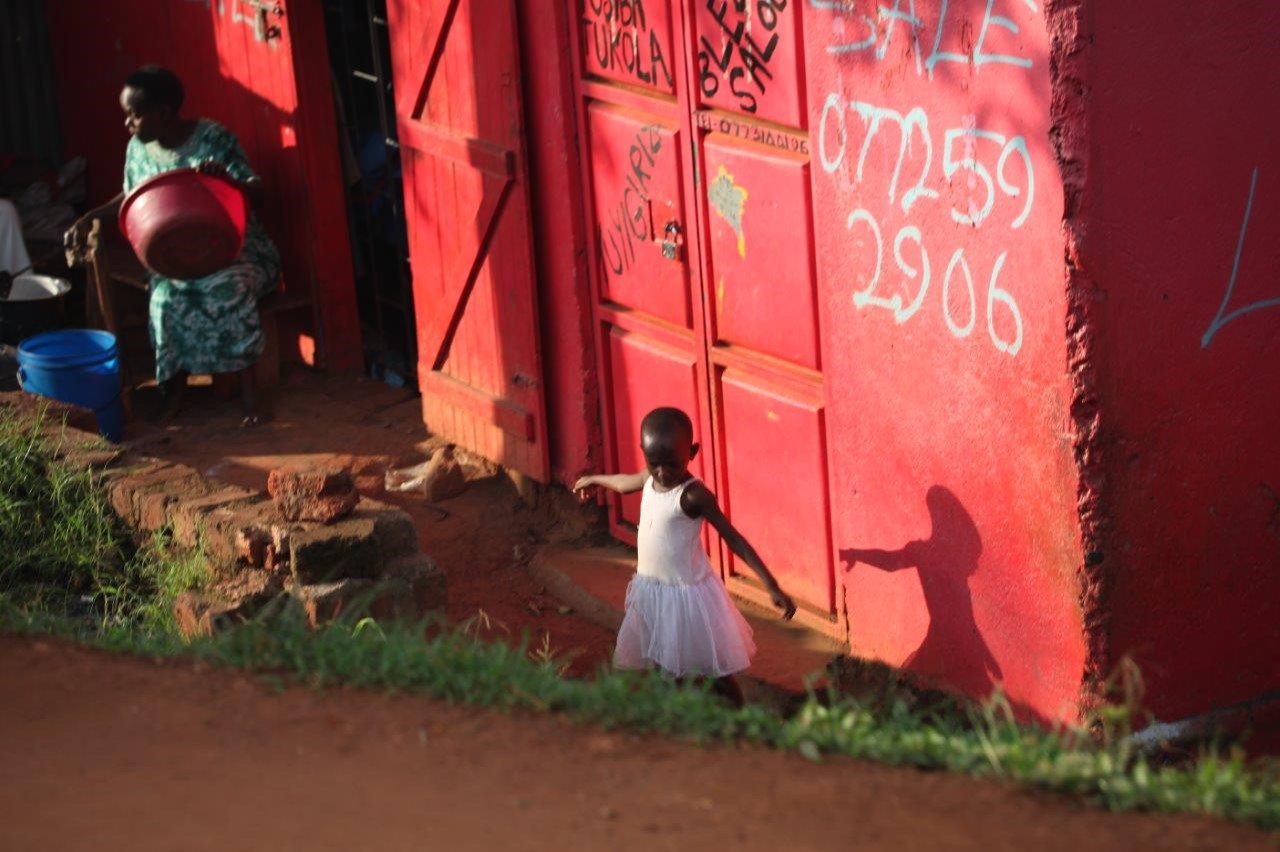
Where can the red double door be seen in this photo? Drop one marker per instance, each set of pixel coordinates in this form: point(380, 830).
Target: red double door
point(692, 125)
point(693, 132)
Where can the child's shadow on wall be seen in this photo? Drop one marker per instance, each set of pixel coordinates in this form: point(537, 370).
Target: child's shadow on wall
point(953, 649)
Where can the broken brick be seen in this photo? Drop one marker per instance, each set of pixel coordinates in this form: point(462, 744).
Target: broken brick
point(327, 601)
point(313, 495)
point(189, 514)
point(396, 533)
point(153, 510)
point(424, 581)
point(253, 547)
point(346, 549)
point(226, 604)
point(125, 492)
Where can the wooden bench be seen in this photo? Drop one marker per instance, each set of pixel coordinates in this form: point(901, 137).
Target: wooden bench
point(113, 267)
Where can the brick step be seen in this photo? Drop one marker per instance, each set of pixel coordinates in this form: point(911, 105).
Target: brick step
point(253, 552)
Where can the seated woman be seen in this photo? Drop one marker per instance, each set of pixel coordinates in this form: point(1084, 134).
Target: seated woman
point(206, 325)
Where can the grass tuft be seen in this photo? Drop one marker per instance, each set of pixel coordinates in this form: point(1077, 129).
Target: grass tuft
point(66, 552)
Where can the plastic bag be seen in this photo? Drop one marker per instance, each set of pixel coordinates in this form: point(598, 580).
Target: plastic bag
point(408, 478)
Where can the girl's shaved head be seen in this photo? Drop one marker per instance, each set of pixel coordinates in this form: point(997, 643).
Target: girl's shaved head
point(666, 423)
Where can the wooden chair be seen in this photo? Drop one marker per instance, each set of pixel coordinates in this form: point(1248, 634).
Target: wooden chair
point(116, 276)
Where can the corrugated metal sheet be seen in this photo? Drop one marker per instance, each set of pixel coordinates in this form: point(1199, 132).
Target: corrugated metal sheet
point(28, 106)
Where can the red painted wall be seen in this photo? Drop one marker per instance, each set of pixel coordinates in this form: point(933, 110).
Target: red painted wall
point(939, 206)
point(1180, 222)
point(274, 96)
point(568, 360)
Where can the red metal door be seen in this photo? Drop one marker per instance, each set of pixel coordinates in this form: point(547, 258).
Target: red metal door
point(460, 122)
point(693, 113)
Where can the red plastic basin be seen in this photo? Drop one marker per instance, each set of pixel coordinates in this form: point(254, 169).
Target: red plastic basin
point(183, 224)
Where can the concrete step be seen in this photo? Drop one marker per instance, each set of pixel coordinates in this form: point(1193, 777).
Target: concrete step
point(593, 580)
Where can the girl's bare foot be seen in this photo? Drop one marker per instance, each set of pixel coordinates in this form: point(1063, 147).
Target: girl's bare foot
point(728, 688)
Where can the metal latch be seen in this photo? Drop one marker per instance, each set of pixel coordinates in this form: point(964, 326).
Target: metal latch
point(672, 241)
point(263, 29)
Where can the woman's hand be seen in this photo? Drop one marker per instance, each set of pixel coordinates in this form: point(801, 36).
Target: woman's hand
point(75, 242)
point(74, 238)
point(252, 189)
point(213, 168)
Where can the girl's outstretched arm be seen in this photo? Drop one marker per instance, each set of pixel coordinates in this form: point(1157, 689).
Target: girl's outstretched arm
point(698, 502)
point(623, 483)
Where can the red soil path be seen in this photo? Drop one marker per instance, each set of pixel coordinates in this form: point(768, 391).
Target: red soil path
point(102, 752)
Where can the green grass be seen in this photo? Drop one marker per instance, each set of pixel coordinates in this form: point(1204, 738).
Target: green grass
point(456, 665)
point(63, 550)
point(56, 533)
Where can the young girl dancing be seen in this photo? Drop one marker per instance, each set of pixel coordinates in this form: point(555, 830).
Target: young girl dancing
point(678, 614)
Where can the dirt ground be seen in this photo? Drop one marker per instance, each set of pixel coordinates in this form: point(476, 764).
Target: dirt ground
point(481, 539)
point(105, 753)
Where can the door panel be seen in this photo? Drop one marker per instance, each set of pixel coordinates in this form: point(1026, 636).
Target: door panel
point(645, 374)
point(630, 41)
point(458, 108)
point(724, 324)
point(749, 58)
point(775, 486)
point(757, 201)
point(636, 195)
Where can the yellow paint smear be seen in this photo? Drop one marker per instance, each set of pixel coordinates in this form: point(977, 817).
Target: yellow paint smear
point(729, 200)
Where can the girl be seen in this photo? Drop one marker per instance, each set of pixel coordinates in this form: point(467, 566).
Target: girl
point(678, 615)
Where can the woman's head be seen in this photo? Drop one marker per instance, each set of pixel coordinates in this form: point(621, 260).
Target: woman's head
point(151, 100)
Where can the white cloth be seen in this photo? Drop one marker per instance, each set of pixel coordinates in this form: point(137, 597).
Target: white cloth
point(13, 250)
point(678, 614)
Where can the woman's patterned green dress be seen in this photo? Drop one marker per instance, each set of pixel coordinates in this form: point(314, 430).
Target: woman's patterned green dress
point(210, 324)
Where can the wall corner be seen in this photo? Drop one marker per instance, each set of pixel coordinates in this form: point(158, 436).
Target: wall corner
point(1070, 45)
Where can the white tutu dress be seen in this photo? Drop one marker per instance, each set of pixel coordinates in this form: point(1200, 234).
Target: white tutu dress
point(679, 616)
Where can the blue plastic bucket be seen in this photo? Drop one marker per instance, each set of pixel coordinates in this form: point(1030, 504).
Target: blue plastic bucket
point(77, 366)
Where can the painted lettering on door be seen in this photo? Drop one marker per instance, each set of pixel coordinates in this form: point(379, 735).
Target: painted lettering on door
point(623, 42)
point(733, 56)
point(753, 132)
point(749, 58)
point(629, 222)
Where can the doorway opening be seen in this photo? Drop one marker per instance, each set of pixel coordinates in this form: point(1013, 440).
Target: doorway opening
point(360, 58)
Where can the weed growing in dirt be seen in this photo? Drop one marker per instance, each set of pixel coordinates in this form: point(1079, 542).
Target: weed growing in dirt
point(56, 532)
point(63, 545)
point(64, 550)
